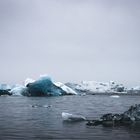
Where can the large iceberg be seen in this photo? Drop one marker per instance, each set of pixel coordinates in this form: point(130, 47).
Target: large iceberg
point(44, 87)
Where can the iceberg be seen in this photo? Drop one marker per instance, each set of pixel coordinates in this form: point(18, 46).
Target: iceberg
point(134, 90)
point(65, 88)
point(5, 87)
point(91, 87)
point(19, 90)
point(44, 87)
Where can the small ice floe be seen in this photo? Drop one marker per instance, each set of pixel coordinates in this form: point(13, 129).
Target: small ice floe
point(115, 96)
point(83, 94)
point(71, 117)
point(47, 106)
point(37, 106)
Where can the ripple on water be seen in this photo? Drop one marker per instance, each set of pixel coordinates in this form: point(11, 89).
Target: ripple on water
point(18, 120)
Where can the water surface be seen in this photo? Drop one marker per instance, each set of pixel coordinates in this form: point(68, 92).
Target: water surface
point(19, 120)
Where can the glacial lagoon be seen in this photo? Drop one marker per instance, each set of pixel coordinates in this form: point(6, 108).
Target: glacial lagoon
point(39, 118)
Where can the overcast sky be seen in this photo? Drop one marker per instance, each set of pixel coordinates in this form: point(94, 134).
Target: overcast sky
point(71, 40)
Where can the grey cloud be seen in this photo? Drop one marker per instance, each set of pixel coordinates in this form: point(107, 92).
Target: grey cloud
point(71, 40)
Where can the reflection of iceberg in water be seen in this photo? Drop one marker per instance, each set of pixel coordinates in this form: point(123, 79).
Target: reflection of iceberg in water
point(71, 117)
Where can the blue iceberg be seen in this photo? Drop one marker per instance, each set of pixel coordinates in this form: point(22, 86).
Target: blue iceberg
point(43, 87)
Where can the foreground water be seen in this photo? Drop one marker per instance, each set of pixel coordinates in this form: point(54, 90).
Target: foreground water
point(19, 120)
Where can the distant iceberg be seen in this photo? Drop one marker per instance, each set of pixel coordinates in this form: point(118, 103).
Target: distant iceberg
point(44, 86)
point(134, 90)
point(97, 87)
point(4, 90)
point(5, 87)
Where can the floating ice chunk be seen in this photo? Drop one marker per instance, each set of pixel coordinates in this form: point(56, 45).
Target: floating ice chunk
point(47, 106)
point(71, 117)
point(115, 96)
point(44, 106)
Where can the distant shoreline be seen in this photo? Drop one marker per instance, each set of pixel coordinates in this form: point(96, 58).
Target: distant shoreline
point(113, 93)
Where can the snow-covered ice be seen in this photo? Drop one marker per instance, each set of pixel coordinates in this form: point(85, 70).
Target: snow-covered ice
point(98, 87)
point(18, 90)
point(67, 89)
point(28, 81)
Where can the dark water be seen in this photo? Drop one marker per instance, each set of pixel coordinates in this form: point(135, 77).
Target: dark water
point(19, 120)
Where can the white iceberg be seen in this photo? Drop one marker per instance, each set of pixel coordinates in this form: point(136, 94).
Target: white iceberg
point(65, 88)
point(136, 88)
point(5, 87)
point(97, 87)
